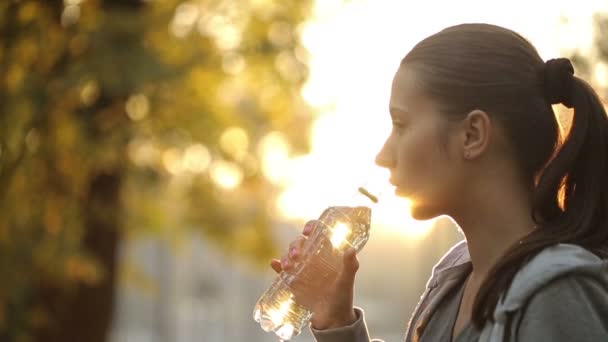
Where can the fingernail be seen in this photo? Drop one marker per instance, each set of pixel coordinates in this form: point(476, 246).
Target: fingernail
point(292, 252)
point(308, 228)
point(284, 263)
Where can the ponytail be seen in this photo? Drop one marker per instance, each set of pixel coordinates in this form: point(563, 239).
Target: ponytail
point(570, 199)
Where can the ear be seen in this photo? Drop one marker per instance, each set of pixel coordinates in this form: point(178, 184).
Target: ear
point(477, 130)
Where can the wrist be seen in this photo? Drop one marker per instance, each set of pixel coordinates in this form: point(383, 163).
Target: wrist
point(337, 322)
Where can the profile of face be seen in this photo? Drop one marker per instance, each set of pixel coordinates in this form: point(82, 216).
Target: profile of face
point(423, 152)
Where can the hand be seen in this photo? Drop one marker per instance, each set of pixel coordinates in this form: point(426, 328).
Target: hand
point(330, 299)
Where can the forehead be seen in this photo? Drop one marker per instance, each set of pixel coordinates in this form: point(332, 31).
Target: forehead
point(406, 93)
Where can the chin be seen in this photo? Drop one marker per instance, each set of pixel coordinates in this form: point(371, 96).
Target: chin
point(401, 192)
point(421, 212)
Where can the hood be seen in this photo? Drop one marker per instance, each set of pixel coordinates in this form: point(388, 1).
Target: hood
point(548, 265)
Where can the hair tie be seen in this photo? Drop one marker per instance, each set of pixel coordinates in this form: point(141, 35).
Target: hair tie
point(558, 81)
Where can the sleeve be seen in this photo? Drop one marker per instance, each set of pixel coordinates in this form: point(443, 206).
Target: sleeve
point(572, 308)
point(356, 332)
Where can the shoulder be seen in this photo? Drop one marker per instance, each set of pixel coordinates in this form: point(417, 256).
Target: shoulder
point(571, 307)
point(546, 267)
point(457, 255)
point(453, 263)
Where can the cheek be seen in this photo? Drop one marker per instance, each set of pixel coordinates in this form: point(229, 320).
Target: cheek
point(415, 154)
point(423, 167)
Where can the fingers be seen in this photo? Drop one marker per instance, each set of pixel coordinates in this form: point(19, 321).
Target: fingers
point(309, 227)
point(293, 254)
point(295, 251)
point(350, 268)
point(276, 265)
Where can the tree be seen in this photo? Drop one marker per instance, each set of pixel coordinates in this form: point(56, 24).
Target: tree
point(134, 117)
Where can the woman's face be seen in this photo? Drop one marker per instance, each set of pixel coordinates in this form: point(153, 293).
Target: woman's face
point(421, 151)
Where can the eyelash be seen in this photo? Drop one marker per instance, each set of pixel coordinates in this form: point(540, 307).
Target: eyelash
point(397, 126)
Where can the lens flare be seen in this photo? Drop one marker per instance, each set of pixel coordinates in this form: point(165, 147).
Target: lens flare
point(339, 235)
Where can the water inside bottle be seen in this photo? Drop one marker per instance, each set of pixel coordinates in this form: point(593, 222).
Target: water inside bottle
point(277, 310)
point(282, 314)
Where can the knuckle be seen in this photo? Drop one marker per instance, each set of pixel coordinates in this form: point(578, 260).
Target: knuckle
point(309, 227)
point(310, 224)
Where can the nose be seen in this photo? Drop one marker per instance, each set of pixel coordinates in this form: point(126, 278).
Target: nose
point(384, 158)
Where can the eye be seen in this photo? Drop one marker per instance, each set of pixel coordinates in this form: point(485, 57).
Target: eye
point(398, 127)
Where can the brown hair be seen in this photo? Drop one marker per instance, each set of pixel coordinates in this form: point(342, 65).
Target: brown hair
point(486, 67)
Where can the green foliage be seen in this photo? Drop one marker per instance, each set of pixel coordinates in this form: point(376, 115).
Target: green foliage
point(142, 91)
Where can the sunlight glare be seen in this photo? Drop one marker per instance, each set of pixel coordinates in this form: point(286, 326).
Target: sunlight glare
point(339, 233)
point(601, 75)
point(277, 316)
point(273, 150)
point(349, 85)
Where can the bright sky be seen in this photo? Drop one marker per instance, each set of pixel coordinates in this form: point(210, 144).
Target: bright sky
point(355, 49)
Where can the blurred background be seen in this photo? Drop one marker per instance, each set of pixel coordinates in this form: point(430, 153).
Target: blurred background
point(156, 154)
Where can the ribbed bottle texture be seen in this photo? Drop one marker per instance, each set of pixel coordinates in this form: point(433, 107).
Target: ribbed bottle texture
point(338, 228)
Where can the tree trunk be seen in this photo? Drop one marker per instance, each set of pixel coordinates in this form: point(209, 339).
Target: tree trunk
point(85, 312)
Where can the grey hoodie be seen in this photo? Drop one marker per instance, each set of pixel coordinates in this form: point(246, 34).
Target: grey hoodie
point(512, 313)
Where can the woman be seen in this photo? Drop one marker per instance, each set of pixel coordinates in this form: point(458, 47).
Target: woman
point(475, 137)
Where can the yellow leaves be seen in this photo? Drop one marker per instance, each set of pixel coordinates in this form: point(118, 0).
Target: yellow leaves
point(18, 183)
point(89, 93)
point(289, 67)
point(185, 18)
point(26, 52)
point(28, 12)
point(52, 218)
point(235, 142)
point(80, 269)
point(137, 107)
point(202, 80)
point(173, 54)
point(225, 174)
point(197, 158)
point(14, 78)
point(32, 140)
point(65, 132)
point(233, 63)
point(78, 45)
point(70, 15)
point(281, 34)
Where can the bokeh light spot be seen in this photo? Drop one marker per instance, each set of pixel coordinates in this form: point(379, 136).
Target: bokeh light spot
point(197, 158)
point(273, 150)
point(137, 107)
point(226, 174)
point(235, 142)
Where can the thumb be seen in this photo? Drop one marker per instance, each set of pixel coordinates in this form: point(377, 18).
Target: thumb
point(349, 269)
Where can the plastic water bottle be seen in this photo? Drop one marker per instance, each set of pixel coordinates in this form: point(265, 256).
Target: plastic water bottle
point(338, 229)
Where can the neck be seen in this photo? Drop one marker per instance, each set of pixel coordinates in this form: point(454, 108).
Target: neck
point(493, 219)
